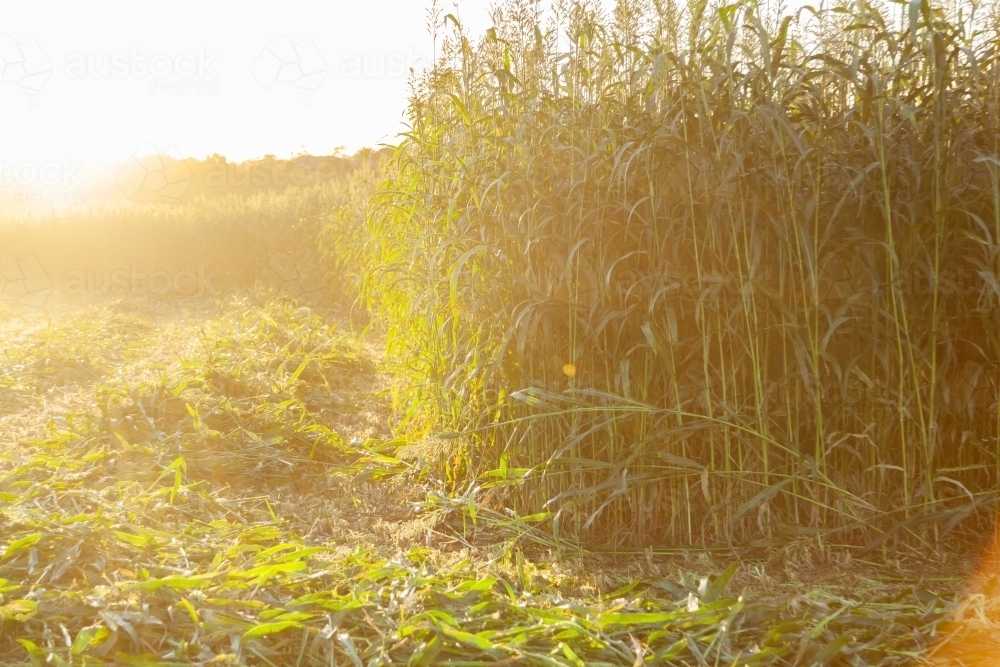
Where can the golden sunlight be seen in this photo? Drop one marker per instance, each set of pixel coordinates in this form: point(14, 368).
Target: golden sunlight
point(500, 332)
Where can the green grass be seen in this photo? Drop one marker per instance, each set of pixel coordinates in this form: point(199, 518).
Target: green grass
point(52, 358)
point(169, 525)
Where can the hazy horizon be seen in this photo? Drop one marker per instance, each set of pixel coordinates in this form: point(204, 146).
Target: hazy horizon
point(198, 79)
point(241, 80)
point(83, 92)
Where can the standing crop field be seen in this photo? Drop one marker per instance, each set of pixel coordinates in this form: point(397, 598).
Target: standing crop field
point(697, 275)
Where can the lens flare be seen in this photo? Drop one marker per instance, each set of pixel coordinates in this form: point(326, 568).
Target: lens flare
point(971, 637)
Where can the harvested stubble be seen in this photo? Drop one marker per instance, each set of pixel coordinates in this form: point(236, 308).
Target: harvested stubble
point(695, 276)
point(143, 534)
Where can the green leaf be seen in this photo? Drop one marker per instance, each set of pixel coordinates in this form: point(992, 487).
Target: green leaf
point(826, 654)
point(265, 629)
point(83, 639)
point(173, 583)
point(637, 618)
point(714, 590)
point(426, 652)
point(134, 540)
point(23, 543)
point(571, 656)
point(468, 638)
point(32, 648)
point(267, 571)
point(18, 610)
point(299, 370)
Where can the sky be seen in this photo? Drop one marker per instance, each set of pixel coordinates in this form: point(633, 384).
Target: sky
point(243, 79)
point(101, 81)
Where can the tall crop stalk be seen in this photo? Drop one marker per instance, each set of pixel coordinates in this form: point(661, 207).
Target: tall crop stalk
point(701, 274)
